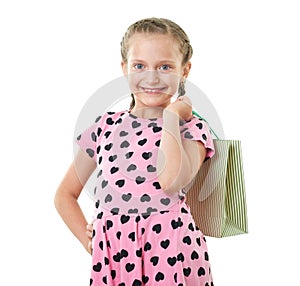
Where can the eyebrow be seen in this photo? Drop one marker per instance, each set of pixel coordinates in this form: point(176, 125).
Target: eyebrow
point(159, 62)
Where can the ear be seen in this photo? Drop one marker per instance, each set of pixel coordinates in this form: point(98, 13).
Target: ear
point(186, 69)
point(124, 68)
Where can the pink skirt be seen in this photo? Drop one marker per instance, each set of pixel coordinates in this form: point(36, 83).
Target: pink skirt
point(164, 248)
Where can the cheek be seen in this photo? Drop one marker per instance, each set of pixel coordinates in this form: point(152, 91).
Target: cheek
point(172, 81)
point(133, 80)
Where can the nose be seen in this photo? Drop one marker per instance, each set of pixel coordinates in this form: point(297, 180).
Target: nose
point(152, 77)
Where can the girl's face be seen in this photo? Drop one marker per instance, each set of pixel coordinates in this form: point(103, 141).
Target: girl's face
point(154, 69)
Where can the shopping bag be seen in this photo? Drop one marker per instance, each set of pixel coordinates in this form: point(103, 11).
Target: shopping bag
point(216, 196)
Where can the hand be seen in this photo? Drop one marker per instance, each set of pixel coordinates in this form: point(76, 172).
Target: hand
point(89, 233)
point(182, 107)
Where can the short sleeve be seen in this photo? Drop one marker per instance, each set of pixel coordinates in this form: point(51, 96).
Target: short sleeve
point(197, 129)
point(88, 139)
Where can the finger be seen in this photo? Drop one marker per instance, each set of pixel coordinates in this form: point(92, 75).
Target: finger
point(89, 234)
point(90, 247)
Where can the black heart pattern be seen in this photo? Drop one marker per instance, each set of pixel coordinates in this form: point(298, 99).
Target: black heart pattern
point(114, 170)
point(108, 146)
point(131, 236)
point(123, 133)
point(109, 224)
point(104, 184)
point(125, 144)
point(145, 198)
point(156, 129)
point(151, 168)
point(128, 155)
point(199, 125)
point(97, 267)
point(140, 180)
point(137, 282)
point(120, 183)
point(98, 149)
point(175, 224)
point(165, 243)
point(187, 240)
point(187, 271)
point(131, 167)
point(94, 137)
point(125, 218)
point(188, 135)
point(191, 227)
point(180, 257)
point(147, 155)
point(165, 201)
point(109, 121)
point(154, 260)
point(119, 121)
point(201, 271)
point(135, 124)
point(142, 142)
point(90, 152)
point(113, 274)
point(112, 158)
point(145, 279)
point(139, 252)
point(159, 276)
point(108, 198)
point(147, 246)
point(122, 254)
point(115, 211)
point(107, 133)
point(157, 228)
point(194, 255)
point(172, 261)
point(126, 197)
point(156, 185)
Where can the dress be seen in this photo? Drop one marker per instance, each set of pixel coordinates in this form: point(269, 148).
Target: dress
point(141, 235)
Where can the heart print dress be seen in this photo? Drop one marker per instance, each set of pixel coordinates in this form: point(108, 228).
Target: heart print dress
point(141, 235)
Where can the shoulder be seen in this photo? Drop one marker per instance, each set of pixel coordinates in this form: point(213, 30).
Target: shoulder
point(109, 118)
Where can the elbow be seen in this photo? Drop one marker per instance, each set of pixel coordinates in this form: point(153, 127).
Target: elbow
point(173, 184)
point(170, 185)
point(58, 201)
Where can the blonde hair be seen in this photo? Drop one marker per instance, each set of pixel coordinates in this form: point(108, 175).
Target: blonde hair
point(159, 26)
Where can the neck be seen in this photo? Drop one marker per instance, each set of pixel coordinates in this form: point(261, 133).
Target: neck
point(147, 112)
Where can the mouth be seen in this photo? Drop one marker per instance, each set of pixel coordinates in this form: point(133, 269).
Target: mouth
point(153, 90)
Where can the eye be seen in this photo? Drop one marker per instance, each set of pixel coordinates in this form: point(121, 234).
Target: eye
point(138, 66)
point(165, 68)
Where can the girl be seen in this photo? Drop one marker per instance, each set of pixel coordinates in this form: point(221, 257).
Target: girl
point(143, 232)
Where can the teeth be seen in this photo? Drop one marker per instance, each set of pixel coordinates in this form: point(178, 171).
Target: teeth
point(151, 90)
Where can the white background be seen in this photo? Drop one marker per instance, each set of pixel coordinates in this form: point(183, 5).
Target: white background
point(56, 54)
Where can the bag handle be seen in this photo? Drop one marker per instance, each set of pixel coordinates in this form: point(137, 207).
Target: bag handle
point(211, 130)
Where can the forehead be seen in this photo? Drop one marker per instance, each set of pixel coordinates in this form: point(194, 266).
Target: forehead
point(153, 44)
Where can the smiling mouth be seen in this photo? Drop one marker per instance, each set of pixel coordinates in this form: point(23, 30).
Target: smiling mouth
point(153, 90)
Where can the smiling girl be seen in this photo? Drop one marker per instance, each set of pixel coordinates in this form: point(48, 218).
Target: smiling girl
point(143, 232)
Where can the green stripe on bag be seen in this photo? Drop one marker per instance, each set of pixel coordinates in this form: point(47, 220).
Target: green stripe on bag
point(217, 194)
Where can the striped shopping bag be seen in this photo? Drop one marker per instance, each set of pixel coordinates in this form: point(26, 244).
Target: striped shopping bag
point(217, 196)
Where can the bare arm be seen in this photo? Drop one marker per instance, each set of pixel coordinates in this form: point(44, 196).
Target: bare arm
point(68, 193)
point(178, 160)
